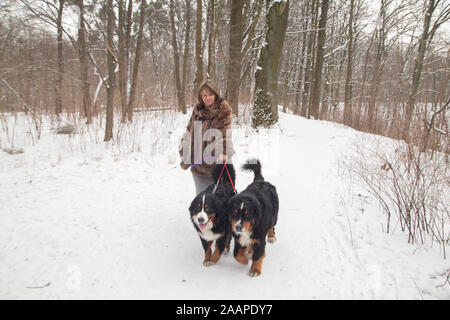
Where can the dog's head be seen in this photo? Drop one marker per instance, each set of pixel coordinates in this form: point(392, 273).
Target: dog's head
point(244, 213)
point(204, 210)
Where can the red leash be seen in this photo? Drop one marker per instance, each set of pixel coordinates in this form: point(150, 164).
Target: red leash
point(229, 176)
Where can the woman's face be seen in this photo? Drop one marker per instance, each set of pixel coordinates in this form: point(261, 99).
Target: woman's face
point(208, 97)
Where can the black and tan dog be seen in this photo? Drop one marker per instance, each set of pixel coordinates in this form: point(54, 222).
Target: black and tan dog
point(253, 216)
point(209, 214)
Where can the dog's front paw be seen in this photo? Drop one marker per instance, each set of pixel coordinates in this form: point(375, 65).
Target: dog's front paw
point(254, 273)
point(271, 239)
point(208, 263)
point(256, 268)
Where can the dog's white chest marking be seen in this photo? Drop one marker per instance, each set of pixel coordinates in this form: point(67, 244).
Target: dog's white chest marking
point(208, 235)
point(244, 238)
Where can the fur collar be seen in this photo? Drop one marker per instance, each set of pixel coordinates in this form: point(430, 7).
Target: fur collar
point(205, 113)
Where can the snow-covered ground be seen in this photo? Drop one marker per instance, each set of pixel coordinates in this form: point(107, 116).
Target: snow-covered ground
point(83, 219)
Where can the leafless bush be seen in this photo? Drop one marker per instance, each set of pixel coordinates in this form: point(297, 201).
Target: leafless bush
point(410, 185)
point(13, 150)
point(446, 276)
point(66, 129)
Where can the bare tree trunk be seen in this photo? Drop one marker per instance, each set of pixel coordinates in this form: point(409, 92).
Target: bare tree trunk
point(364, 78)
point(198, 46)
point(265, 108)
point(326, 95)
point(377, 70)
point(348, 84)
point(176, 55)
point(234, 71)
point(249, 48)
point(289, 74)
point(59, 75)
point(125, 24)
point(211, 39)
point(137, 60)
point(418, 70)
point(328, 87)
point(111, 76)
point(374, 88)
point(122, 60)
point(127, 50)
point(308, 64)
point(317, 76)
point(83, 56)
point(302, 69)
point(185, 56)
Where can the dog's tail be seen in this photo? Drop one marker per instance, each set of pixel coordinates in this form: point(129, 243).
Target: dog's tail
point(255, 166)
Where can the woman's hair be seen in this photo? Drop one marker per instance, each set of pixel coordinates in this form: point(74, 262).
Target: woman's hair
point(209, 85)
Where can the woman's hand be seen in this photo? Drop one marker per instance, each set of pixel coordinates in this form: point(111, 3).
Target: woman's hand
point(222, 158)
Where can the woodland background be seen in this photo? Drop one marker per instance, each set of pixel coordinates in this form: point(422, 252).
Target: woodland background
point(381, 67)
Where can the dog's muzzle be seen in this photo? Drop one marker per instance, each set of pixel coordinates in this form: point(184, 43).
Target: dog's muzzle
point(202, 220)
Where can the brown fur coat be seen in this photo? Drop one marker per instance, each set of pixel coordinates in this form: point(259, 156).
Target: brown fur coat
point(217, 116)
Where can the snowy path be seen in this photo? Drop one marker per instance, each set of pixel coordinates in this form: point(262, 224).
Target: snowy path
point(120, 229)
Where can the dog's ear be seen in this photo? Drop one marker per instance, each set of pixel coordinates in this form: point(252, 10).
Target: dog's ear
point(195, 202)
point(228, 205)
point(231, 203)
point(192, 206)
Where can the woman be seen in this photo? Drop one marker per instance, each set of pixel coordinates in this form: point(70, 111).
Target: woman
point(211, 118)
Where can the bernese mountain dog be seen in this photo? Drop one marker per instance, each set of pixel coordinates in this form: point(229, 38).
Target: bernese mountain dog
point(253, 215)
point(209, 214)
